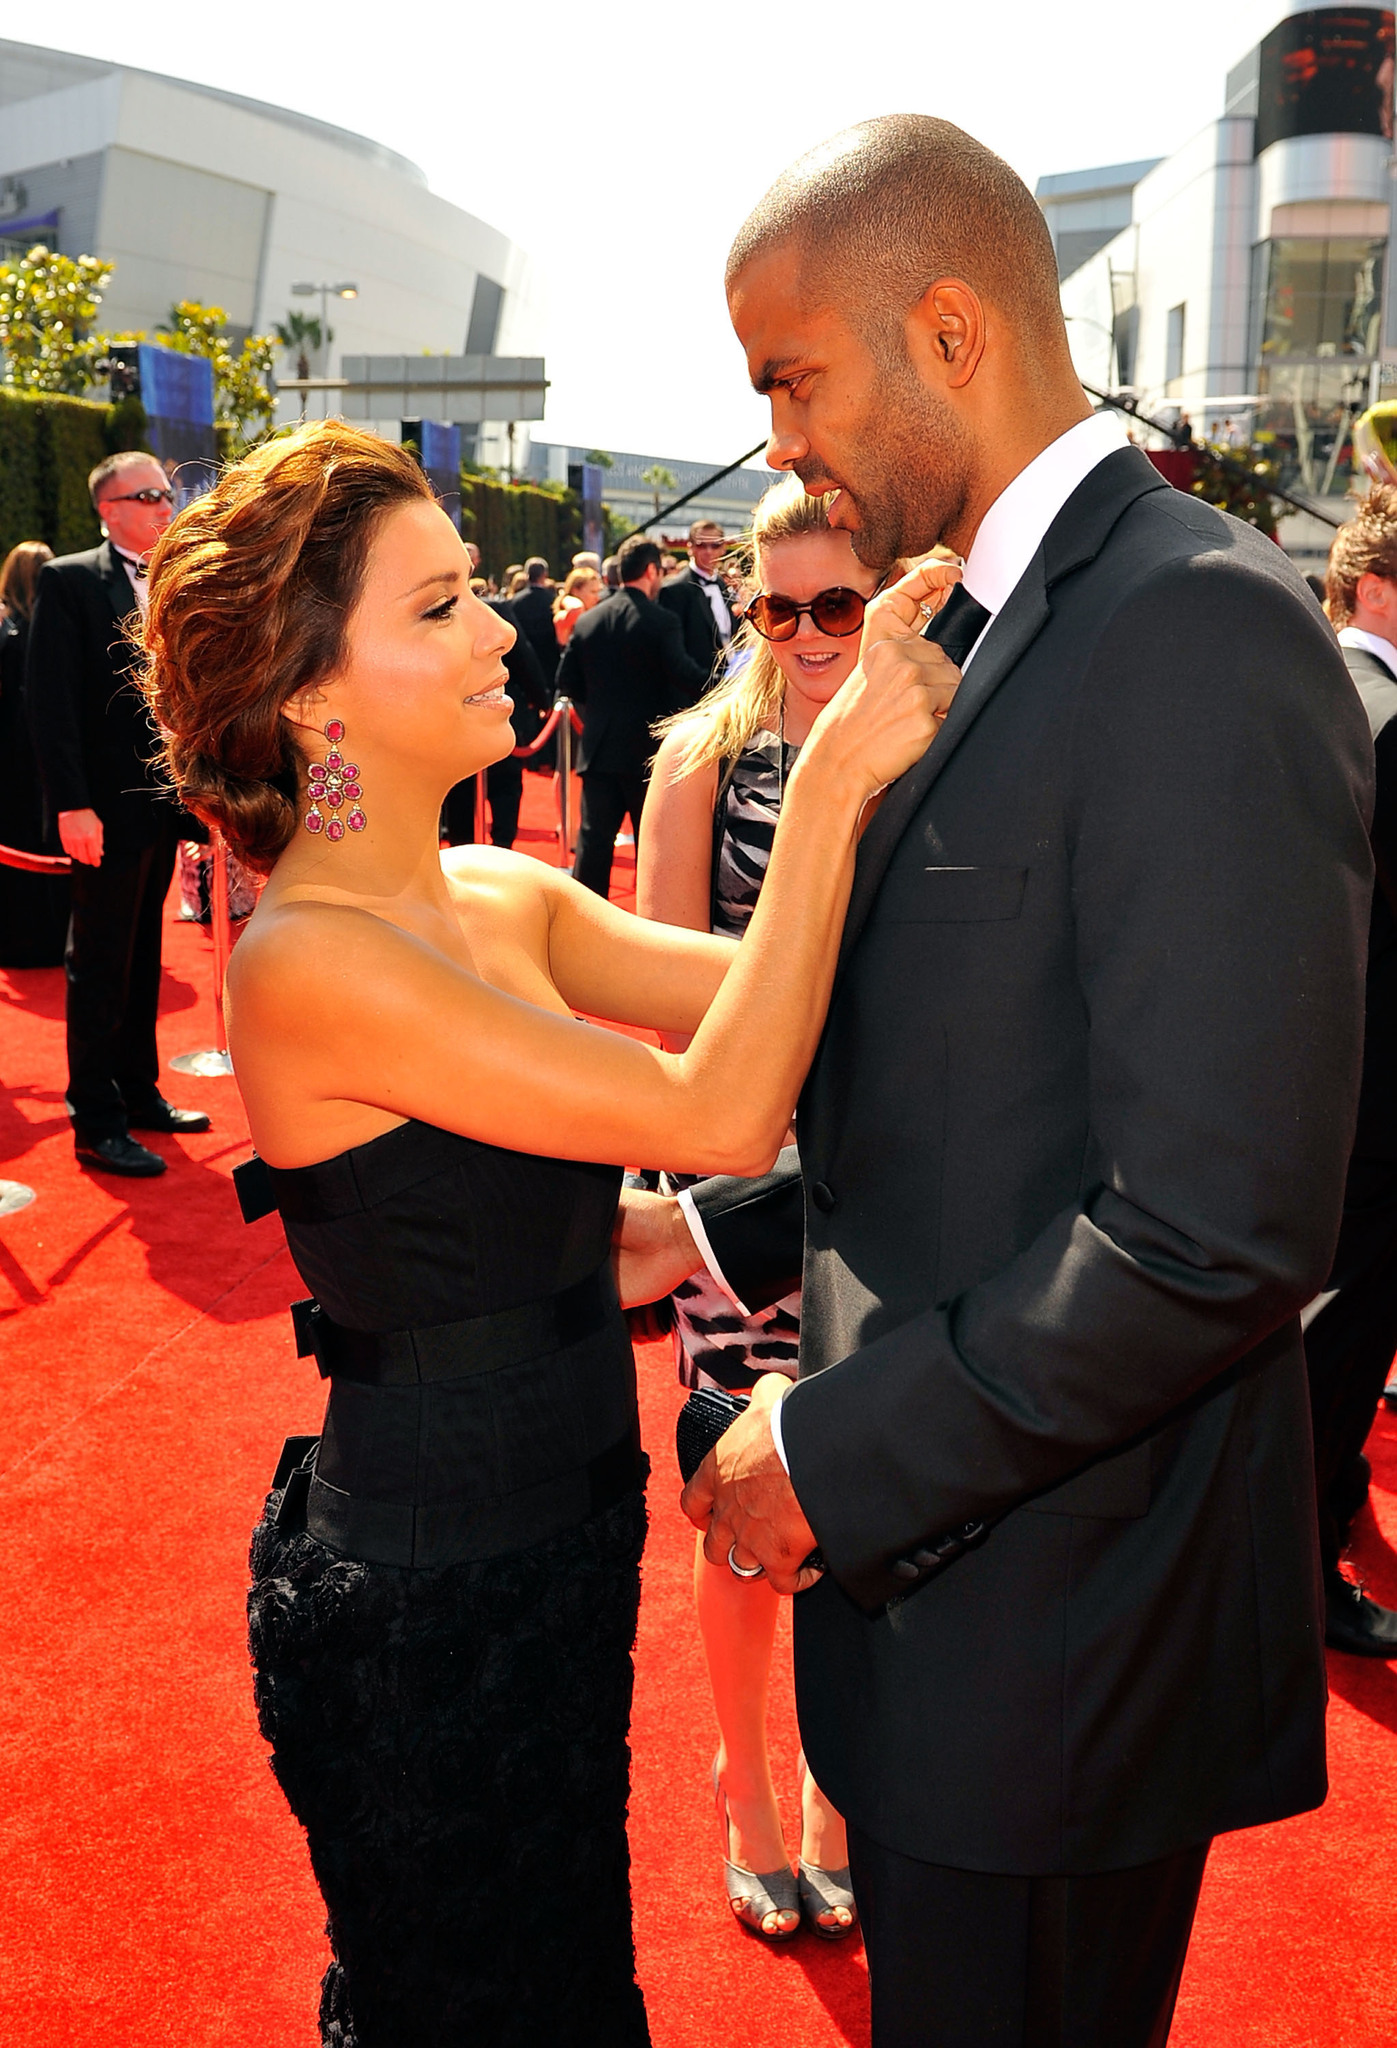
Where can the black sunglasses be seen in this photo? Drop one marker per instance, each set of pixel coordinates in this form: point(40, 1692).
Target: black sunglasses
point(150, 496)
point(837, 613)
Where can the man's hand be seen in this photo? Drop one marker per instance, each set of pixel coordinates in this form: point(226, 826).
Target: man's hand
point(81, 835)
point(651, 1248)
point(742, 1495)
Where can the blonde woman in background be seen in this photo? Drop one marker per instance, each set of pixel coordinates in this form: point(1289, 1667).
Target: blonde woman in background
point(715, 795)
point(582, 589)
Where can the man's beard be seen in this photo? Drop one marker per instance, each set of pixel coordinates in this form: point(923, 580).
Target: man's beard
point(911, 473)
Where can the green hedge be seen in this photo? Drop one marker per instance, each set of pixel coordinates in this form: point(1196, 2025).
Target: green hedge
point(48, 446)
point(510, 522)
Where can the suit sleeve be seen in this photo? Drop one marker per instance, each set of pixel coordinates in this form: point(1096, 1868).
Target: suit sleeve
point(685, 678)
point(53, 686)
point(755, 1231)
point(1218, 791)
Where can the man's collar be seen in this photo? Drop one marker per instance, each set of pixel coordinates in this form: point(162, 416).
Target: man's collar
point(1371, 643)
point(1012, 529)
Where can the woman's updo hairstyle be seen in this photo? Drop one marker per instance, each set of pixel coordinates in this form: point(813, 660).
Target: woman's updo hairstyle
point(251, 589)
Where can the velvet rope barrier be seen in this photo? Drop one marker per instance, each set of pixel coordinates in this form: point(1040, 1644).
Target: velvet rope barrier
point(35, 863)
point(550, 726)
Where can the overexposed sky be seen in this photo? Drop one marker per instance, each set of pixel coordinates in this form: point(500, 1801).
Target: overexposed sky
point(625, 166)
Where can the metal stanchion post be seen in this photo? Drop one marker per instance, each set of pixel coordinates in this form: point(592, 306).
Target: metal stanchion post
point(17, 1194)
point(215, 1061)
point(565, 833)
point(481, 832)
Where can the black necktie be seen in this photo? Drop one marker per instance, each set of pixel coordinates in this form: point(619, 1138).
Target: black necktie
point(958, 625)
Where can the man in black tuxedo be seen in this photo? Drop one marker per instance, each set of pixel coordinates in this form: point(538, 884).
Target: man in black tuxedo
point(1351, 1326)
point(504, 780)
point(624, 667)
point(699, 599)
point(532, 612)
point(94, 741)
point(1073, 1145)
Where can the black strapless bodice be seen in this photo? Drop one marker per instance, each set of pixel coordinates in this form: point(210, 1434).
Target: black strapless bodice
point(482, 1386)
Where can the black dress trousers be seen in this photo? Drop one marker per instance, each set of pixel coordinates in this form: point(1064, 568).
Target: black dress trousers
point(1349, 1346)
point(606, 800)
point(968, 1959)
point(504, 786)
point(113, 968)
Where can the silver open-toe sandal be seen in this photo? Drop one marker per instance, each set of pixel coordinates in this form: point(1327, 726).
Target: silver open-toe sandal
point(825, 1891)
point(753, 1895)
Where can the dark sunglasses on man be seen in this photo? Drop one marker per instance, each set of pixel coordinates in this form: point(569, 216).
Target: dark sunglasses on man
point(837, 613)
point(149, 496)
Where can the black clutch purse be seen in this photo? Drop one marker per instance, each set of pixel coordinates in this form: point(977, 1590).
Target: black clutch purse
point(707, 1414)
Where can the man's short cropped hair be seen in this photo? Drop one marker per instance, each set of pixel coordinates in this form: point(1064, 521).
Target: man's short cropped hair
point(536, 569)
point(704, 527)
point(879, 213)
point(112, 466)
point(635, 556)
point(1365, 545)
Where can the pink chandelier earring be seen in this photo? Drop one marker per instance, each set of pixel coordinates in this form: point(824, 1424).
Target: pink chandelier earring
point(334, 782)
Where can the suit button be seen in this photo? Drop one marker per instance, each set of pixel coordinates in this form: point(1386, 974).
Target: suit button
point(822, 1195)
point(903, 1568)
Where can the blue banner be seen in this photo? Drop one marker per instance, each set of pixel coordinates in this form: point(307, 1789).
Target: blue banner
point(175, 386)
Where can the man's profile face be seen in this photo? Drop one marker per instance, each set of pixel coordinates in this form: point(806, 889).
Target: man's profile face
point(134, 527)
point(846, 421)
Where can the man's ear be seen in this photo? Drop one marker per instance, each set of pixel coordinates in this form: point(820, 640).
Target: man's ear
point(946, 333)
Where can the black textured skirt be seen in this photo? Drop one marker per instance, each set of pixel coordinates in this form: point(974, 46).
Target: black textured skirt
point(454, 1741)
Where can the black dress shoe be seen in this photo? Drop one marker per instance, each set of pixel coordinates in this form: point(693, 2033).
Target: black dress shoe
point(163, 1116)
point(1355, 1623)
point(120, 1155)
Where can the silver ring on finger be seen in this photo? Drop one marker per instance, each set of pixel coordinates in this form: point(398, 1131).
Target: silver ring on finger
point(743, 1571)
point(928, 611)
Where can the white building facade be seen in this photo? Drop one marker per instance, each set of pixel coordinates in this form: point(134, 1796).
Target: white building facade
point(199, 194)
point(1250, 287)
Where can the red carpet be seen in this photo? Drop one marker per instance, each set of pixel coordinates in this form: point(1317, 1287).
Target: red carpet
point(153, 1887)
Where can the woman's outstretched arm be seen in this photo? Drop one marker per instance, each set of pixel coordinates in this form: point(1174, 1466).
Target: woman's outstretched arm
point(432, 1041)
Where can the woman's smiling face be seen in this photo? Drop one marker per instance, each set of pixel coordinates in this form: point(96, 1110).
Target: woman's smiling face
point(813, 664)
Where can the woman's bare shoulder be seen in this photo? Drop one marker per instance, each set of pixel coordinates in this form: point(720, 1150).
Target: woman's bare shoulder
point(294, 948)
point(497, 871)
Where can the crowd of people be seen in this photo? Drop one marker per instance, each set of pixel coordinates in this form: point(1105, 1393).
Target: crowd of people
point(1017, 944)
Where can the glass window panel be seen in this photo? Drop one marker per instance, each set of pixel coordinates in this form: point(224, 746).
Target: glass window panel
point(1305, 421)
point(1323, 297)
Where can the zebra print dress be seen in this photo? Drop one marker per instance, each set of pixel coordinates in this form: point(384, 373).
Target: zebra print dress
point(714, 1344)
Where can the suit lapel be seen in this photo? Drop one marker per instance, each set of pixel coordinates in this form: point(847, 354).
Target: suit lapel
point(1075, 537)
point(115, 582)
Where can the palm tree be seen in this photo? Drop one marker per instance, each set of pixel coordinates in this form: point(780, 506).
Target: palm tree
point(659, 479)
point(299, 333)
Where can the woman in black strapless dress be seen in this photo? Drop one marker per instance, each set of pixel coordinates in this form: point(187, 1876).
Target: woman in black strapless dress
point(445, 1583)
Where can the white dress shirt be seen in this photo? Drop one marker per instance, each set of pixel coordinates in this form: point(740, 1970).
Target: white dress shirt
point(1373, 643)
point(1007, 539)
point(717, 602)
point(139, 587)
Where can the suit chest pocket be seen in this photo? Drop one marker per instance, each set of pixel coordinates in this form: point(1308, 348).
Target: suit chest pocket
point(951, 895)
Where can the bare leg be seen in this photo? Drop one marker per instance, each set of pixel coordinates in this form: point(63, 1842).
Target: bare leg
point(737, 1619)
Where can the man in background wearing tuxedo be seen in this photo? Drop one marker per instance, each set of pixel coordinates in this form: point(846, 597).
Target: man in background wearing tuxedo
point(1351, 1326)
point(699, 599)
point(623, 667)
point(1073, 1145)
point(94, 742)
point(532, 612)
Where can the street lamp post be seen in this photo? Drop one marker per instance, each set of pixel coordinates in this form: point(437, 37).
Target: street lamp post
point(326, 292)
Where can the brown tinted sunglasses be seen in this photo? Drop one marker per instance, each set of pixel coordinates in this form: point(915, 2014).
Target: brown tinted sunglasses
point(837, 612)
